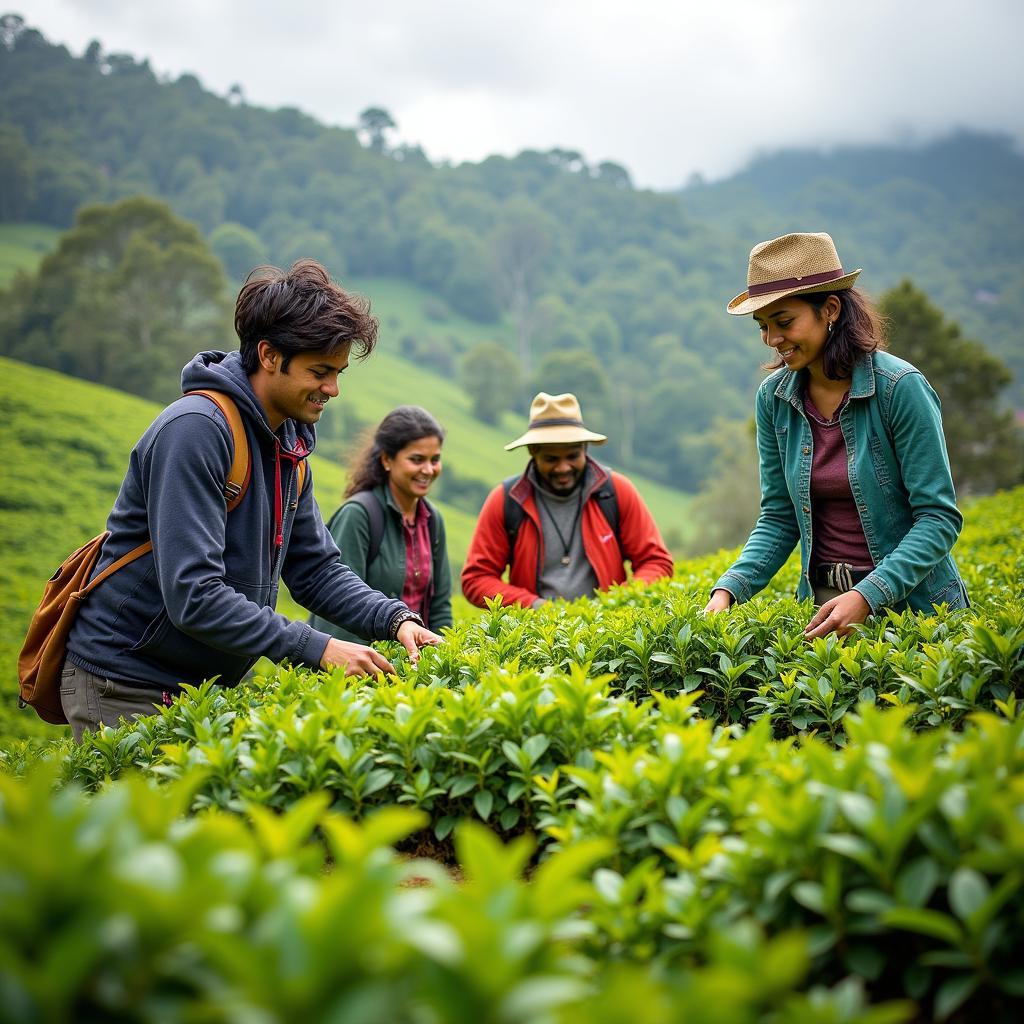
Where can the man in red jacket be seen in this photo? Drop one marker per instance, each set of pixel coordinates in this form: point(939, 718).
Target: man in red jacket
point(566, 526)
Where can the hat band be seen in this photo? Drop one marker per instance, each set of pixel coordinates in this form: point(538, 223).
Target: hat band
point(795, 282)
point(534, 424)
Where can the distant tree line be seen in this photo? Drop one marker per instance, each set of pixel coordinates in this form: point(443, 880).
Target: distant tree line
point(610, 291)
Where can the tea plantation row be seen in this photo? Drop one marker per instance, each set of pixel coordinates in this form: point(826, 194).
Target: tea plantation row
point(743, 825)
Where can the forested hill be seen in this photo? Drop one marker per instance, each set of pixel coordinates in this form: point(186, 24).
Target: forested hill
point(597, 287)
point(948, 214)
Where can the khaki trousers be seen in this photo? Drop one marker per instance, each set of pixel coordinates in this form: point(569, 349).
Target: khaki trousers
point(90, 701)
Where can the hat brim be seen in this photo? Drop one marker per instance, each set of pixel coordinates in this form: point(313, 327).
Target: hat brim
point(743, 303)
point(556, 435)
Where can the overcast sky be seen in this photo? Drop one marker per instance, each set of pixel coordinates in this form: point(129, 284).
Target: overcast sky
point(665, 87)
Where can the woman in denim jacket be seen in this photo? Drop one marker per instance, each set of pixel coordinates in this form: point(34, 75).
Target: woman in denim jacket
point(852, 457)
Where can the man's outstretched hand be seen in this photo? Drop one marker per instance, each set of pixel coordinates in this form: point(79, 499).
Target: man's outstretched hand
point(412, 636)
point(355, 659)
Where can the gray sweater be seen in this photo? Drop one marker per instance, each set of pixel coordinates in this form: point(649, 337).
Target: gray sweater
point(560, 521)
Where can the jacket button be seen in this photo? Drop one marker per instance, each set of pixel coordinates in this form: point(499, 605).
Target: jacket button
point(807, 451)
point(806, 509)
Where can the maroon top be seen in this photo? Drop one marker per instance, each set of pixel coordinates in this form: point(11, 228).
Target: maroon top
point(836, 530)
point(418, 560)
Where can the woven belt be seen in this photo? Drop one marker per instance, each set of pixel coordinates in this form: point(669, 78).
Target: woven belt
point(838, 575)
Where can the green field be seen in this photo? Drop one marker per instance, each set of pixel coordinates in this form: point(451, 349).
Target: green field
point(22, 246)
point(474, 450)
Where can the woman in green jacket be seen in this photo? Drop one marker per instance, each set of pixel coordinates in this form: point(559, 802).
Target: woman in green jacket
point(387, 531)
point(852, 455)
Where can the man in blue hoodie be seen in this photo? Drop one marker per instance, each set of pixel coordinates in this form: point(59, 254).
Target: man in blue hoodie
point(201, 604)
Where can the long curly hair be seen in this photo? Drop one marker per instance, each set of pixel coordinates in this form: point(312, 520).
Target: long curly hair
point(400, 427)
point(859, 330)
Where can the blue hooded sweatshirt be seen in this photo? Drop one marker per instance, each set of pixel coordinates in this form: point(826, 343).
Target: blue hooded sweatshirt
point(201, 604)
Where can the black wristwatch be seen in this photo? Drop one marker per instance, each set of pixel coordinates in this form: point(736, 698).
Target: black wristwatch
point(403, 616)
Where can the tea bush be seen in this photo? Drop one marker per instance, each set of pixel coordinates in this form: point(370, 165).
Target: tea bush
point(900, 855)
point(850, 812)
point(124, 911)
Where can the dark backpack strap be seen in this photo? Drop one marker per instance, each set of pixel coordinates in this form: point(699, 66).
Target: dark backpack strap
point(606, 498)
point(514, 514)
point(608, 501)
point(433, 524)
point(375, 514)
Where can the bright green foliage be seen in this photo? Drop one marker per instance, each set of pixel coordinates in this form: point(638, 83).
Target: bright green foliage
point(116, 909)
point(816, 828)
point(60, 482)
point(864, 796)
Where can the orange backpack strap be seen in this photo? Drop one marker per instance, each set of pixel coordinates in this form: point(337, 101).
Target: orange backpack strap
point(303, 471)
point(120, 563)
point(241, 467)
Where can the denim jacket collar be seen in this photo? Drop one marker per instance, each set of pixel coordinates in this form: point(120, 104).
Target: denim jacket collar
point(791, 387)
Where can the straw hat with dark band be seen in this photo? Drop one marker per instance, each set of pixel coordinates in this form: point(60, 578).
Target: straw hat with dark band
point(801, 262)
point(556, 419)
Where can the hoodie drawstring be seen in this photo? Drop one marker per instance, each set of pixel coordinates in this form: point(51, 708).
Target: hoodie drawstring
point(293, 458)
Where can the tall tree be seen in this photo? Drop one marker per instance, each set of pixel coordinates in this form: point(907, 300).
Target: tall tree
point(490, 376)
point(522, 244)
point(579, 371)
point(375, 122)
point(986, 447)
point(238, 248)
point(130, 294)
point(16, 185)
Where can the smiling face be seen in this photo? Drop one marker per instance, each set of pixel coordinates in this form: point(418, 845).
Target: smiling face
point(797, 331)
point(413, 469)
point(301, 391)
point(559, 466)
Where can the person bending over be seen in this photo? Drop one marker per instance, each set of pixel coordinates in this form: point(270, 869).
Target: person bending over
point(852, 456)
point(201, 603)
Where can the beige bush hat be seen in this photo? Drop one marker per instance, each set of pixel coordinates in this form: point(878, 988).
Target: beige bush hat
point(789, 265)
point(556, 419)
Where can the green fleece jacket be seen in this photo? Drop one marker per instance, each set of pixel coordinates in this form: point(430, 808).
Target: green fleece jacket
point(350, 528)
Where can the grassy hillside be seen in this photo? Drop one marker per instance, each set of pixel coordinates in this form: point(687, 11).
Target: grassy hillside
point(475, 451)
point(22, 246)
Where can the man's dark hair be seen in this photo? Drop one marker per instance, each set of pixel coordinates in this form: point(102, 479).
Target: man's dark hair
point(858, 330)
point(300, 310)
point(400, 427)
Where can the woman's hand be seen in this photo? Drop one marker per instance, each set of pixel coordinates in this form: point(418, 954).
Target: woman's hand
point(412, 636)
point(720, 600)
point(838, 615)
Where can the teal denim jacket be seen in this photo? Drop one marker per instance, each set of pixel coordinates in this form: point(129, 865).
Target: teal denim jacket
point(899, 475)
